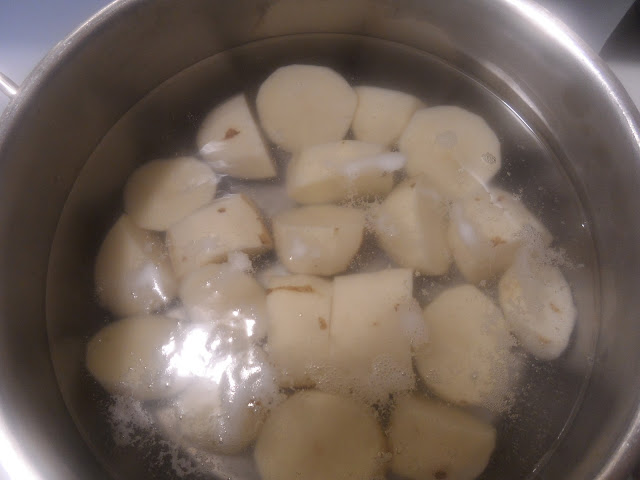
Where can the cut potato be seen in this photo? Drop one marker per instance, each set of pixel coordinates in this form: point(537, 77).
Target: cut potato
point(229, 224)
point(430, 440)
point(487, 229)
point(411, 227)
point(454, 148)
point(304, 105)
point(467, 359)
point(222, 412)
point(319, 239)
point(538, 306)
point(299, 309)
point(349, 169)
point(382, 114)
point(133, 273)
point(220, 293)
point(132, 357)
point(161, 192)
point(229, 140)
point(369, 343)
point(319, 436)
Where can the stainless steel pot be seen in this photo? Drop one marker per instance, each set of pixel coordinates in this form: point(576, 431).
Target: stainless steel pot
point(515, 48)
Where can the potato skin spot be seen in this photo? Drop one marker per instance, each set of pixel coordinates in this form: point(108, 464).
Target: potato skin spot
point(323, 323)
point(293, 288)
point(495, 241)
point(232, 132)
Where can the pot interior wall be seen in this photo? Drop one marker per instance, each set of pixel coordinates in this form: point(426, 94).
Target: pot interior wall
point(77, 112)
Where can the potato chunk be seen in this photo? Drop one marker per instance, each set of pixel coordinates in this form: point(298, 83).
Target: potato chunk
point(319, 436)
point(299, 309)
point(319, 239)
point(430, 440)
point(161, 192)
point(222, 294)
point(538, 306)
point(132, 357)
point(411, 227)
point(333, 172)
point(223, 410)
point(369, 340)
point(229, 224)
point(453, 147)
point(133, 273)
point(382, 114)
point(487, 229)
point(467, 359)
point(229, 140)
point(304, 105)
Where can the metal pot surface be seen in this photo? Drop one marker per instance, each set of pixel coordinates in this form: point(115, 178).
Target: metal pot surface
point(71, 109)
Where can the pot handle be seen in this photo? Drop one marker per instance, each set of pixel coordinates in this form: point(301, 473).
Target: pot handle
point(8, 86)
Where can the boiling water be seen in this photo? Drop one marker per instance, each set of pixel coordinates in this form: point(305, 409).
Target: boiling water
point(163, 124)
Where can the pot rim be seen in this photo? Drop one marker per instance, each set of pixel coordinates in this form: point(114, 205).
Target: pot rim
point(621, 461)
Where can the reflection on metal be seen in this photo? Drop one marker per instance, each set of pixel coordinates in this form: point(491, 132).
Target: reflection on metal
point(7, 86)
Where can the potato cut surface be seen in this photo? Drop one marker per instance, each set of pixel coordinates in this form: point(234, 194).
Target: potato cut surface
point(348, 169)
point(382, 114)
point(229, 224)
point(411, 226)
point(299, 309)
point(467, 359)
point(222, 294)
point(128, 357)
point(304, 105)
point(538, 306)
point(370, 341)
point(454, 148)
point(223, 410)
point(487, 229)
point(161, 192)
point(430, 440)
point(133, 273)
point(229, 140)
point(319, 436)
point(318, 239)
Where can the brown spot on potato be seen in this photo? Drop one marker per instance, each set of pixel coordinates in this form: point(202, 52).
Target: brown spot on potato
point(222, 210)
point(292, 288)
point(554, 307)
point(543, 340)
point(440, 474)
point(232, 132)
point(495, 241)
point(323, 323)
point(264, 237)
point(396, 307)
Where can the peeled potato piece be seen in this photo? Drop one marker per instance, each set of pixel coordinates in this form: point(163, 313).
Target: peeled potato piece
point(161, 192)
point(382, 114)
point(221, 293)
point(349, 169)
point(223, 410)
point(229, 224)
point(538, 306)
point(370, 343)
point(467, 359)
point(487, 229)
point(304, 105)
point(430, 440)
point(133, 273)
point(319, 436)
point(132, 357)
point(318, 240)
point(411, 227)
point(299, 309)
point(229, 140)
point(453, 147)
